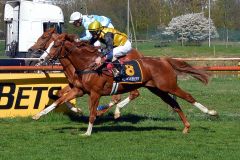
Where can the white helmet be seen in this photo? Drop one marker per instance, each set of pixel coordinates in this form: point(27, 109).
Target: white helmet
point(75, 16)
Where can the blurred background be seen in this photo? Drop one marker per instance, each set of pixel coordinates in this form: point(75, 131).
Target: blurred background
point(146, 21)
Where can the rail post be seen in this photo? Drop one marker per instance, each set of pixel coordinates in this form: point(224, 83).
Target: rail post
point(239, 71)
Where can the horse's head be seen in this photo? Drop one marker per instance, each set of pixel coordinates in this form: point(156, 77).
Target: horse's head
point(58, 50)
point(74, 51)
point(43, 42)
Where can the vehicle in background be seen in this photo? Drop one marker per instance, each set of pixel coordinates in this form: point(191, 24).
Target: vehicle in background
point(25, 23)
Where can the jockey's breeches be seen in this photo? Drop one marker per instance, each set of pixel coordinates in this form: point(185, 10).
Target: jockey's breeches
point(121, 50)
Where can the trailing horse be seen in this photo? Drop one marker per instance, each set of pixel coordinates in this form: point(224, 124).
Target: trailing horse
point(158, 76)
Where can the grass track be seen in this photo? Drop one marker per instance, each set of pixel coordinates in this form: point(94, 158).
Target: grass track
point(174, 50)
point(148, 129)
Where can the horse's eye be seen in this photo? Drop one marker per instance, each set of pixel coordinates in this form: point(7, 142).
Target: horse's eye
point(43, 37)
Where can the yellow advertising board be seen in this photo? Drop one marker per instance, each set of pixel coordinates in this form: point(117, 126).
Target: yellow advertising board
point(25, 94)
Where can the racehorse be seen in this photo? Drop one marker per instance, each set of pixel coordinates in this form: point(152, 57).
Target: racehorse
point(159, 76)
point(40, 46)
point(45, 42)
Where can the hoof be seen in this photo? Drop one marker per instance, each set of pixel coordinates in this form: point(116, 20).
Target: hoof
point(101, 112)
point(79, 112)
point(85, 135)
point(36, 117)
point(212, 112)
point(185, 130)
point(117, 115)
point(103, 107)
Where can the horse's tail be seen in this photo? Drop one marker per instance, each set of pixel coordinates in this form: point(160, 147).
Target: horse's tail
point(183, 67)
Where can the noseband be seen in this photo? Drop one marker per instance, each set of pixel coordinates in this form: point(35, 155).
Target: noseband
point(59, 50)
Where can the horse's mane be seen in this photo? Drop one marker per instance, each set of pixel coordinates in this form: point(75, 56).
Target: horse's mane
point(86, 46)
point(90, 49)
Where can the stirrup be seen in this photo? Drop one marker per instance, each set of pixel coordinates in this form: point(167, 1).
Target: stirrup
point(115, 72)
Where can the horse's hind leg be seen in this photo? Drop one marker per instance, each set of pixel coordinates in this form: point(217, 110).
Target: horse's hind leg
point(188, 97)
point(133, 94)
point(173, 103)
point(63, 91)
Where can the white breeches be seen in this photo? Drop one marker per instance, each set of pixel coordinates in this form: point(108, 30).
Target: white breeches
point(97, 44)
point(121, 50)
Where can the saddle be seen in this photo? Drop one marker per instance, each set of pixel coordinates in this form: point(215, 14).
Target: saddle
point(127, 72)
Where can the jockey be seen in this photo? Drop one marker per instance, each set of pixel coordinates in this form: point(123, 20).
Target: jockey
point(117, 43)
point(84, 20)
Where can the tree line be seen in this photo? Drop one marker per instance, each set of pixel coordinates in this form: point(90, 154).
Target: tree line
point(150, 15)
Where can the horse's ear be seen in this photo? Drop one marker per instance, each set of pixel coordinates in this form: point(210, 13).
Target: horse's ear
point(53, 30)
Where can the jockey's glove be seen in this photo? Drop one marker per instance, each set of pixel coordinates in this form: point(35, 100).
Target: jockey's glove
point(109, 56)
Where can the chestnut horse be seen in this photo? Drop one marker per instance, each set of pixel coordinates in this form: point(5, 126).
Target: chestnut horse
point(40, 47)
point(159, 76)
point(44, 43)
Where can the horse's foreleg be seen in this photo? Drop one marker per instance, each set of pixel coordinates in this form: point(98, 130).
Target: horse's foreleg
point(45, 111)
point(133, 94)
point(73, 108)
point(104, 108)
point(93, 103)
point(173, 103)
point(63, 91)
point(65, 98)
point(188, 97)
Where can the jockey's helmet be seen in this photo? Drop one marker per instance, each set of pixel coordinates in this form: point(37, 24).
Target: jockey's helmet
point(95, 27)
point(75, 16)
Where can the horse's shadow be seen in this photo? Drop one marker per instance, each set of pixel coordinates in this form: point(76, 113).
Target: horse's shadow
point(112, 128)
point(130, 118)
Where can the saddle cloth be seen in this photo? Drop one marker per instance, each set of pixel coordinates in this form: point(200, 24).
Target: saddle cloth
point(130, 72)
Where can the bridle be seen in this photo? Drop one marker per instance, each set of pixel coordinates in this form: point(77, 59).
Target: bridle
point(59, 56)
point(43, 44)
point(59, 51)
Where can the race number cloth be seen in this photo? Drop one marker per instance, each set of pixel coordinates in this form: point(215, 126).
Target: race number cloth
point(131, 72)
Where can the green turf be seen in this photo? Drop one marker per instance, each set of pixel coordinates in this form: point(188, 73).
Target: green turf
point(2, 49)
point(176, 50)
point(148, 129)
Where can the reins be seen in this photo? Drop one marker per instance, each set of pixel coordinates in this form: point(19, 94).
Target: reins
point(86, 70)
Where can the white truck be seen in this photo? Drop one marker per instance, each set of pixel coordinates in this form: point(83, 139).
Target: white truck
point(25, 23)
